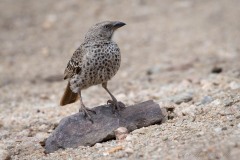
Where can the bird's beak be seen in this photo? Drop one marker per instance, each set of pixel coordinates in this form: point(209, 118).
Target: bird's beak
point(117, 25)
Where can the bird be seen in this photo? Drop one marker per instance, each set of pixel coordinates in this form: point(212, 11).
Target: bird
point(94, 62)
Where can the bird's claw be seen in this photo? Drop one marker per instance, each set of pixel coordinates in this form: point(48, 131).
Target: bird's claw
point(116, 106)
point(86, 113)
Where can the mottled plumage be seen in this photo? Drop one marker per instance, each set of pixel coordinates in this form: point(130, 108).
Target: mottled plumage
point(96, 61)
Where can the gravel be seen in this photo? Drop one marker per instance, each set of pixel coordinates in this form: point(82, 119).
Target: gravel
point(182, 97)
point(169, 51)
point(4, 155)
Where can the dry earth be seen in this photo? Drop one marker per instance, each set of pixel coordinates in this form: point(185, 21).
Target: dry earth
point(172, 51)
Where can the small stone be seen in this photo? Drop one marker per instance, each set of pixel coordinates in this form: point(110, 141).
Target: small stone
point(140, 131)
point(192, 118)
point(206, 85)
point(121, 133)
point(98, 145)
point(43, 127)
point(216, 102)
point(131, 138)
point(228, 102)
point(226, 113)
point(41, 136)
point(218, 130)
point(129, 150)
point(50, 131)
point(230, 117)
point(4, 155)
point(234, 85)
point(165, 138)
point(191, 110)
point(238, 125)
point(183, 97)
point(153, 70)
point(206, 100)
point(171, 115)
point(44, 97)
point(216, 70)
point(199, 134)
point(224, 128)
point(105, 153)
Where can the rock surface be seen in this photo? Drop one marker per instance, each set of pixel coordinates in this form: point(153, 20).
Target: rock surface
point(168, 47)
point(75, 130)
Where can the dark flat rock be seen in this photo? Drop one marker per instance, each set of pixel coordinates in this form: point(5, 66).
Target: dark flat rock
point(75, 130)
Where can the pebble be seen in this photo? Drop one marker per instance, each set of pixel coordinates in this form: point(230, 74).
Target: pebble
point(216, 70)
point(182, 97)
point(191, 118)
point(105, 153)
point(4, 155)
point(140, 131)
point(191, 110)
point(238, 117)
point(43, 127)
point(224, 128)
point(228, 102)
point(238, 125)
point(216, 102)
point(199, 134)
point(218, 130)
point(230, 117)
point(234, 85)
point(206, 100)
point(165, 138)
point(41, 136)
point(225, 113)
point(131, 138)
point(153, 70)
point(206, 85)
point(98, 145)
point(121, 133)
point(129, 150)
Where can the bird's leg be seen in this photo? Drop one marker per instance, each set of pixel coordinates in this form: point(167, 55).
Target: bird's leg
point(114, 103)
point(84, 109)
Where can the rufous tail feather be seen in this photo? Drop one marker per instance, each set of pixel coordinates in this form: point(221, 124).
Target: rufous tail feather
point(68, 96)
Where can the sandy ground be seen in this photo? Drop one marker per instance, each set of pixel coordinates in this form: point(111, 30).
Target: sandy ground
point(170, 49)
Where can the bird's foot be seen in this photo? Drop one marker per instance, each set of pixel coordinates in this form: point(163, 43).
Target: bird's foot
point(116, 106)
point(86, 111)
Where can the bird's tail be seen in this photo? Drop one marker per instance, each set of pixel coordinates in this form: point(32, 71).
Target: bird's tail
point(68, 96)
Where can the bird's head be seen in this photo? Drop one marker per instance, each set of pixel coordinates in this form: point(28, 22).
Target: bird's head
point(103, 30)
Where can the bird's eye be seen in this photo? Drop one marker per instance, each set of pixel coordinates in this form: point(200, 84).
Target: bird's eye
point(107, 26)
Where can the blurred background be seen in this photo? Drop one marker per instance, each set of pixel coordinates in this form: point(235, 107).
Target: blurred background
point(165, 43)
point(38, 39)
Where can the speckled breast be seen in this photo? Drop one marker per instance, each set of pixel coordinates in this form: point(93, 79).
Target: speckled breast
point(100, 64)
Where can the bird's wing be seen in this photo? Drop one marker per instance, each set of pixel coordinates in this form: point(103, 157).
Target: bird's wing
point(74, 65)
